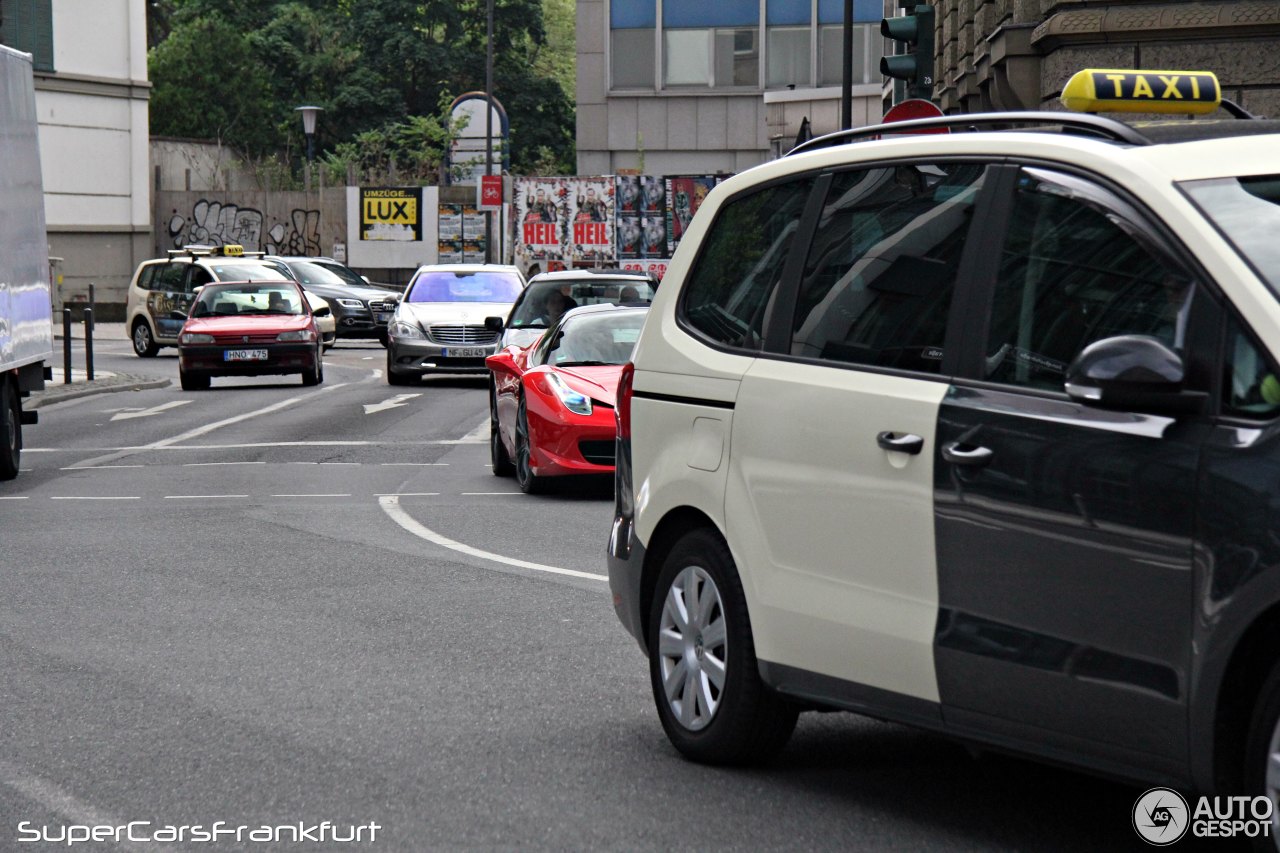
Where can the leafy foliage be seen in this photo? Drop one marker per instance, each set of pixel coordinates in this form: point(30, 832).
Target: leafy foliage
point(383, 70)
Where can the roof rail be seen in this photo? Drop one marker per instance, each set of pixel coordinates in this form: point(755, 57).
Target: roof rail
point(1090, 125)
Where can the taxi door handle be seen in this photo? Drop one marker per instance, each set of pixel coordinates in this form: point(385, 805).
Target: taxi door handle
point(905, 443)
point(959, 453)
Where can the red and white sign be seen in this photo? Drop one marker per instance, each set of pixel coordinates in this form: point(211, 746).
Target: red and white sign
point(914, 108)
point(489, 192)
point(658, 268)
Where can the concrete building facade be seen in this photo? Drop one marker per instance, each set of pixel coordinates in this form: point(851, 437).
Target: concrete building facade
point(91, 100)
point(673, 87)
point(1018, 54)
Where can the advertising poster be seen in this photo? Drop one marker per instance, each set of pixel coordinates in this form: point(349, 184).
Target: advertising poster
point(390, 213)
point(684, 196)
point(461, 230)
point(564, 221)
point(642, 229)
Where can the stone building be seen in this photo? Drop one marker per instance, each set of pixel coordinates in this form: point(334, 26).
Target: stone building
point(1018, 54)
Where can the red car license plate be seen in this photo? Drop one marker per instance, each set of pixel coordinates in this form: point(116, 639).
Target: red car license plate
point(466, 352)
point(244, 355)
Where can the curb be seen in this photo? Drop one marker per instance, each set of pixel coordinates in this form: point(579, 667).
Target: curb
point(57, 394)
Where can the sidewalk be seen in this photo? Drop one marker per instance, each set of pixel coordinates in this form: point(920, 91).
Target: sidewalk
point(104, 381)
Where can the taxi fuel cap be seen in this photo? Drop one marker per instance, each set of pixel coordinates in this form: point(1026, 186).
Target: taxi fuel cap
point(1129, 90)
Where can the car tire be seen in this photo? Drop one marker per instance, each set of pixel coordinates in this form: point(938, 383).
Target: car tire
point(740, 720)
point(193, 381)
point(498, 456)
point(144, 343)
point(529, 482)
point(314, 375)
point(394, 378)
point(1262, 749)
point(10, 430)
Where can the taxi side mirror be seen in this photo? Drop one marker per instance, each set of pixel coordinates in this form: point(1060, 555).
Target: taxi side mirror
point(493, 324)
point(1132, 373)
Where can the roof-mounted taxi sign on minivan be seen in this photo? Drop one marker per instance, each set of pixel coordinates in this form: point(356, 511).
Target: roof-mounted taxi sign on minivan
point(227, 250)
point(1140, 91)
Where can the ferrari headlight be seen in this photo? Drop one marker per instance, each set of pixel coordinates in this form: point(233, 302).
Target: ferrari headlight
point(401, 329)
point(300, 335)
point(195, 338)
point(579, 404)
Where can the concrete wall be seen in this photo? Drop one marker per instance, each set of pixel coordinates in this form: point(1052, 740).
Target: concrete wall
point(93, 127)
point(286, 223)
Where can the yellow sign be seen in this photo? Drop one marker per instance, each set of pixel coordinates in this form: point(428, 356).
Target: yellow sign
point(232, 250)
point(390, 214)
point(1130, 91)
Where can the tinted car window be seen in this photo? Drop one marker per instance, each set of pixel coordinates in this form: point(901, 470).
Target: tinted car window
point(1252, 387)
point(879, 276)
point(741, 261)
point(1072, 272)
point(147, 276)
point(169, 278)
point(439, 286)
point(309, 273)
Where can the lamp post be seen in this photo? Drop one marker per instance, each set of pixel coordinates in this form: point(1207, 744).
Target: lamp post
point(488, 127)
point(309, 114)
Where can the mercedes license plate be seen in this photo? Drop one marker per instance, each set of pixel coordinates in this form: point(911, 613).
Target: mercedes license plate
point(466, 352)
point(244, 355)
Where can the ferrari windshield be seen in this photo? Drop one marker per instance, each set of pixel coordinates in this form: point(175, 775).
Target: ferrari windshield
point(1246, 212)
point(595, 339)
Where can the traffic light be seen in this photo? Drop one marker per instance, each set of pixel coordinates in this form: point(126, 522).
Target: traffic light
point(915, 64)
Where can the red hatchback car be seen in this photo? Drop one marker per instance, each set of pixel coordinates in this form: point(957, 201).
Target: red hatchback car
point(551, 409)
point(249, 329)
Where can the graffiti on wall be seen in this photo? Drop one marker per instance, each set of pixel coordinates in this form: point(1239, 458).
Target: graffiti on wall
point(213, 223)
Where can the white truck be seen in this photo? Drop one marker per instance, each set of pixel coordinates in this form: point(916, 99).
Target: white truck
point(26, 321)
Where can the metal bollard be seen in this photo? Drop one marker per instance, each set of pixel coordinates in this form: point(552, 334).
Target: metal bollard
point(89, 327)
point(66, 345)
point(88, 342)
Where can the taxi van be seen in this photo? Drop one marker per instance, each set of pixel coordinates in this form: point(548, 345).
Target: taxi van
point(163, 286)
point(976, 429)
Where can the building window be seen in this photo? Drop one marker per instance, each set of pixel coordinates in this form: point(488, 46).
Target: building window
point(711, 44)
point(27, 25)
point(789, 25)
point(633, 24)
point(866, 32)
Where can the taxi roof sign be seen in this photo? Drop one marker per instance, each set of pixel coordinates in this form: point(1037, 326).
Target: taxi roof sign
point(1128, 90)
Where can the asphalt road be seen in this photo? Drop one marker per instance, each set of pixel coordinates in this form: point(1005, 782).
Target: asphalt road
point(266, 604)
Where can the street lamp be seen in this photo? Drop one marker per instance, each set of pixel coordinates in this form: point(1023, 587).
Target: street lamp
point(309, 114)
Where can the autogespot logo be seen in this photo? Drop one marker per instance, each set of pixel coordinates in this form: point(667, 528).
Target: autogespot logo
point(1160, 816)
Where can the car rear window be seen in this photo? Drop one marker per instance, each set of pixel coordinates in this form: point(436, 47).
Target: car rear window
point(464, 287)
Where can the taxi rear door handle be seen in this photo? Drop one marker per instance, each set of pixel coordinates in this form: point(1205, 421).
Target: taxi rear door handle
point(906, 443)
point(959, 453)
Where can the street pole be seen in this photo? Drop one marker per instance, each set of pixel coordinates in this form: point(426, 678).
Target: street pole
point(488, 130)
point(846, 83)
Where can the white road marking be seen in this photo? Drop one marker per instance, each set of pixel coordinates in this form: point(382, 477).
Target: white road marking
point(13, 497)
point(146, 413)
point(64, 805)
point(479, 435)
point(207, 464)
point(390, 403)
point(476, 494)
point(199, 497)
point(415, 464)
point(311, 496)
point(97, 467)
point(95, 498)
point(208, 428)
point(339, 463)
point(408, 495)
point(391, 506)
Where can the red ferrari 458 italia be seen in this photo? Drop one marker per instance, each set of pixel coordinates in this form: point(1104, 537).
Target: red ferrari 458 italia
point(551, 404)
point(249, 329)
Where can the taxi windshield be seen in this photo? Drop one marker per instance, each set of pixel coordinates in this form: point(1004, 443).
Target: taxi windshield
point(1246, 212)
point(247, 271)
